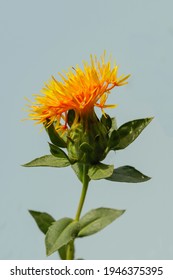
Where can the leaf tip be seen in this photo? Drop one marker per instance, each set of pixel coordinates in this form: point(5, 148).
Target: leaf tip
point(48, 253)
point(150, 119)
point(31, 211)
point(24, 165)
point(148, 178)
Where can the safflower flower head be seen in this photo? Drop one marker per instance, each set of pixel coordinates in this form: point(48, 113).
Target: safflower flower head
point(80, 90)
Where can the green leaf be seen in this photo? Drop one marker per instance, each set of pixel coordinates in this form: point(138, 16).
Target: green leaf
point(60, 234)
point(128, 174)
point(129, 131)
point(55, 137)
point(113, 140)
point(49, 161)
point(57, 152)
point(70, 117)
point(78, 169)
point(86, 148)
point(100, 171)
point(97, 219)
point(62, 252)
point(106, 120)
point(42, 219)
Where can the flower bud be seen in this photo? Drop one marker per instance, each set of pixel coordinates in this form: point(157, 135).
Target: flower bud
point(87, 139)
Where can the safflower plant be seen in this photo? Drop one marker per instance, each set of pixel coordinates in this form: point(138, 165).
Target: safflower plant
point(82, 140)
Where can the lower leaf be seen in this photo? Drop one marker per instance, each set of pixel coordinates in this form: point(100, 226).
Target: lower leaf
point(60, 234)
point(97, 219)
point(62, 252)
point(42, 219)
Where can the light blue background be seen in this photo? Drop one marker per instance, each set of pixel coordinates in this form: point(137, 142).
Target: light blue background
point(40, 39)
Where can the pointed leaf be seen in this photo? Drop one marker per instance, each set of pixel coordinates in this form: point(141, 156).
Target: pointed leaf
point(42, 219)
point(49, 161)
point(55, 137)
point(60, 233)
point(106, 120)
point(62, 252)
point(128, 174)
point(78, 169)
point(86, 148)
point(70, 117)
point(100, 171)
point(129, 131)
point(113, 140)
point(57, 152)
point(97, 219)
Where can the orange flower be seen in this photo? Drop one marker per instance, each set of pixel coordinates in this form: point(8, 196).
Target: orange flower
point(79, 90)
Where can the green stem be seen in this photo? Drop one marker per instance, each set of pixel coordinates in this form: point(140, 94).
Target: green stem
point(70, 245)
point(70, 250)
point(84, 191)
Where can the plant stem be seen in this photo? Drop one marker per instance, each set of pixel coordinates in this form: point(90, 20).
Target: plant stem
point(70, 245)
point(70, 250)
point(84, 191)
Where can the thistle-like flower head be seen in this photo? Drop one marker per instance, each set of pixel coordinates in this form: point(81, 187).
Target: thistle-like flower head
point(79, 90)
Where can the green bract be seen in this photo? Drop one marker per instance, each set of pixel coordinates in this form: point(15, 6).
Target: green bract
point(87, 138)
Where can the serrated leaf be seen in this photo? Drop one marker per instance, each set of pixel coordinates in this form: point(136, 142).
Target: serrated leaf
point(100, 171)
point(129, 131)
point(60, 233)
point(48, 161)
point(55, 137)
point(127, 174)
point(42, 219)
point(97, 219)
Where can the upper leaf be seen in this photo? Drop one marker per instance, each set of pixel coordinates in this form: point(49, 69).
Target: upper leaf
point(127, 174)
point(55, 137)
point(100, 171)
point(60, 233)
point(113, 140)
point(97, 219)
point(78, 169)
point(107, 121)
point(49, 161)
point(129, 131)
point(70, 117)
point(86, 148)
point(42, 219)
point(57, 152)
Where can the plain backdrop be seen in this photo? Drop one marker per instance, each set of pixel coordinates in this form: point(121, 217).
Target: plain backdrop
point(41, 38)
